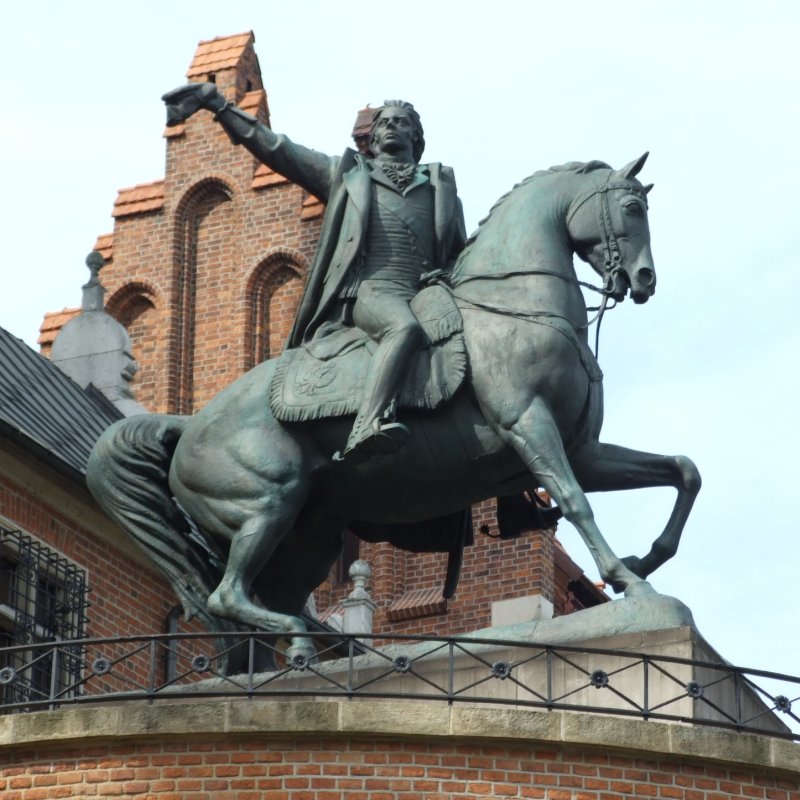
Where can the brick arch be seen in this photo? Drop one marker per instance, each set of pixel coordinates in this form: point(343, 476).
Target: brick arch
point(131, 300)
point(138, 306)
point(272, 295)
point(207, 214)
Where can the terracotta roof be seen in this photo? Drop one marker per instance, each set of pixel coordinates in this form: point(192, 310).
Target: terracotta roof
point(52, 324)
point(46, 412)
point(255, 103)
point(223, 52)
point(313, 207)
point(363, 124)
point(139, 199)
point(417, 603)
point(264, 176)
point(175, 131)
point(105, 245)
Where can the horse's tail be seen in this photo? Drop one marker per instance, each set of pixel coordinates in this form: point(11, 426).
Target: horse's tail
point(128, 474)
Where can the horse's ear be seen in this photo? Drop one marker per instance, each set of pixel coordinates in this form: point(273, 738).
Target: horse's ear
point(648, 188)
point(633, 169)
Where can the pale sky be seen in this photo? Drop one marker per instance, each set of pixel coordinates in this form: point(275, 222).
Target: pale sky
point(707, 368)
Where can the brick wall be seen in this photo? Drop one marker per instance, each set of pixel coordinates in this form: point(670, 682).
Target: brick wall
point(208, 283)
point(379, 769)
point(493, 569)
point(126, 598)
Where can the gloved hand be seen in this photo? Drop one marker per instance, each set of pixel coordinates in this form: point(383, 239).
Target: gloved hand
point(186, 100)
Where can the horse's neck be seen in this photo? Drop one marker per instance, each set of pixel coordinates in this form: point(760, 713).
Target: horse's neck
point(522, 259)
point(527, 233)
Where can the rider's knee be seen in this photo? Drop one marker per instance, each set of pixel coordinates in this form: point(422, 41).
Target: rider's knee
point(411, 331)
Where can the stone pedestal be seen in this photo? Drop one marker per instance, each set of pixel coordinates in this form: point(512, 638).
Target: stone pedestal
point(661, 666)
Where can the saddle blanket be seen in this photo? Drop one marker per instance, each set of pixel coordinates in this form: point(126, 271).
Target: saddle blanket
point(325, 377)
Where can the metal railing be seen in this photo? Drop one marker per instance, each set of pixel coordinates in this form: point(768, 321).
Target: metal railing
point(453, 670)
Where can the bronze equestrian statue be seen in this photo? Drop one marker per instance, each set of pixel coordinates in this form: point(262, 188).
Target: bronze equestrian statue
point(243, 500)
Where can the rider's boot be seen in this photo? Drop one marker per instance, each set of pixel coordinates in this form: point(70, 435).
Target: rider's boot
point(376, 430)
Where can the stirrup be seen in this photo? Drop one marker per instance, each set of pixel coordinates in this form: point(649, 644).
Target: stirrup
point(385, 439)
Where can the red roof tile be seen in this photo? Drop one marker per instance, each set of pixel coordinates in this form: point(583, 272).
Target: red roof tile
point(105, 245)
point(313, 207)
point(52, 324)
point(264, 176)
point(139, 199)
point(363, 124)
point(222, 52)
point(254, 102)
point(417, 603)
point(175, 131)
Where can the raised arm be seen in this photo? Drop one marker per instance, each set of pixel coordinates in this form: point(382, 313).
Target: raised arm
point(312, 170)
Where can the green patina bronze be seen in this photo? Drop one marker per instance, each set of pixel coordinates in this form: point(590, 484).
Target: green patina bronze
point(261, 503)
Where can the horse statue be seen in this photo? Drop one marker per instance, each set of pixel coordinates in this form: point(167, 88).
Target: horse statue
point(244, 513)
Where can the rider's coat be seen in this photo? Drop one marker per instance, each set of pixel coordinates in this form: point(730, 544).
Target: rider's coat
point(344, 184)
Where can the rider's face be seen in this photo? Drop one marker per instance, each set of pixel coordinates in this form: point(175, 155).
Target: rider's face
point(393, 133)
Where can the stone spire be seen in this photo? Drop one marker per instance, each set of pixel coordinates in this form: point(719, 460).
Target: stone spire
point(94, 349)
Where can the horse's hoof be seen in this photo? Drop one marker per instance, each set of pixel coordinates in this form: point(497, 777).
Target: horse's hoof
point(639, 589)
point(301, 653)
point(635, 565)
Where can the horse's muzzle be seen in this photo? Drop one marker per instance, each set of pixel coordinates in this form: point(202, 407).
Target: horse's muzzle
point(643, 284)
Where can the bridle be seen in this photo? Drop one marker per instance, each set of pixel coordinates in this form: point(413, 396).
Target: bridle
point(612, 263)
point(612, 260)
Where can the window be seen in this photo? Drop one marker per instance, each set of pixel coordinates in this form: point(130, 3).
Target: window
point(42, 599)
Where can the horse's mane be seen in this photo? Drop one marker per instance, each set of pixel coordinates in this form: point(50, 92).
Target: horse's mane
point(578, 167)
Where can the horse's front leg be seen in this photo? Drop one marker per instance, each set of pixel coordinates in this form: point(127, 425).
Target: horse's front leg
point(536, 439)
point(609, 468)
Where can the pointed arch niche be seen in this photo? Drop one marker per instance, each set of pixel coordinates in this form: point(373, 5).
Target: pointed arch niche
point(137, 306)
point(273, 291)
point(207, 225)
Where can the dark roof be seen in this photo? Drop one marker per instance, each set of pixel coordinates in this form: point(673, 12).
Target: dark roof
point(45, 411)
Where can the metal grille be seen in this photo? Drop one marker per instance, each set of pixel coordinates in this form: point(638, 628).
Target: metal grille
point(43, 598)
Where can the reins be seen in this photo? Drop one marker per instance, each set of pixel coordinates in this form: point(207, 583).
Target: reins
point(458, 280)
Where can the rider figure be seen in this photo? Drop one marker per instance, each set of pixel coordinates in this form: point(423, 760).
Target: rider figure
point(389, 221)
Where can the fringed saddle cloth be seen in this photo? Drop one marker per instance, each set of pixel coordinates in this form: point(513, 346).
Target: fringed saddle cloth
point(325, 378)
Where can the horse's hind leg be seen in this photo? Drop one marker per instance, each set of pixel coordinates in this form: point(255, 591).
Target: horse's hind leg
point(264, 524)
point(608, 468)
point(299, 564)
point(536, 439)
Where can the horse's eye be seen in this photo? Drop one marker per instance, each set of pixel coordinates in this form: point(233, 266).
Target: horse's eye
point(633, 207)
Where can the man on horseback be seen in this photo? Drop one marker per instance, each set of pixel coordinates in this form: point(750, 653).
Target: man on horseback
point(390, 224)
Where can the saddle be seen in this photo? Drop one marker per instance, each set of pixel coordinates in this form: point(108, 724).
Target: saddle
point(325, 377)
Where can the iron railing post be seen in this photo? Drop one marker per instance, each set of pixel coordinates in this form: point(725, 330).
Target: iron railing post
point(151, 680)
point(737, 682)
point(53, 676)
point(251, 661)
point(451, 670)
point(350, 654)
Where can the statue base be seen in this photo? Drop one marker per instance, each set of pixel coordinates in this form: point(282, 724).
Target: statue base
point(638, 656)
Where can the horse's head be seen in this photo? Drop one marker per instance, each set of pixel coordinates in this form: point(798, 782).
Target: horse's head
point(608, 227)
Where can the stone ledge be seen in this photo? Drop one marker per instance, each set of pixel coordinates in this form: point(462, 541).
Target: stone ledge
point(71, 727)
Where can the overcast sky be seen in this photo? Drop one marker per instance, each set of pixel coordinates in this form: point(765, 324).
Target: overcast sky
point(707, 368)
